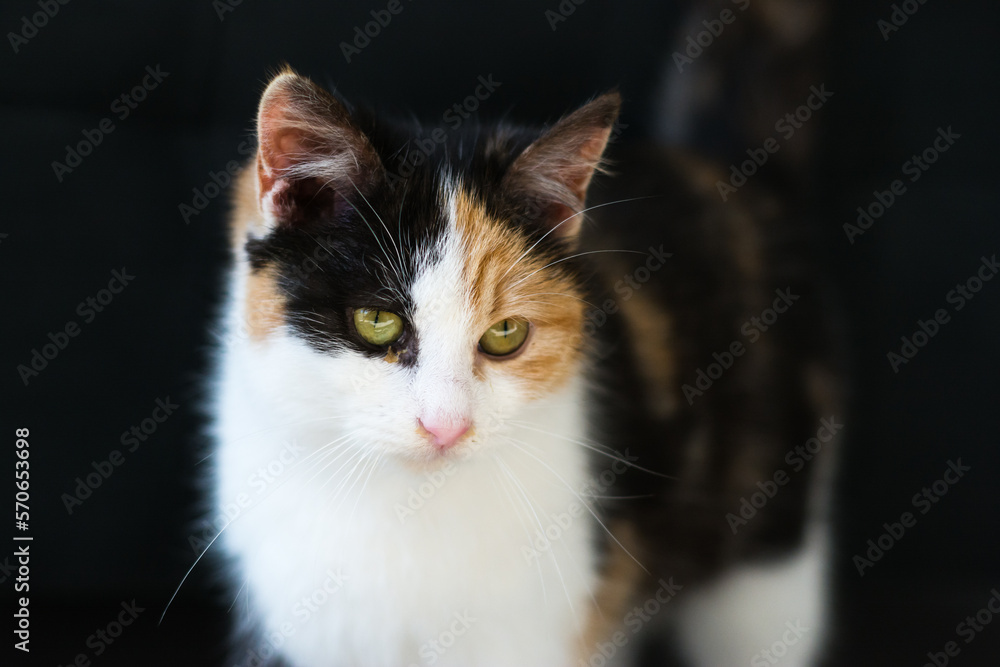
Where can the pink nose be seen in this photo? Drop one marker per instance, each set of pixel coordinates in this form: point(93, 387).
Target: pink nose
point(445, 433)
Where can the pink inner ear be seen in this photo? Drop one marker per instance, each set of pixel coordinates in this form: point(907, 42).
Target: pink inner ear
point(590, 152)
point(592, 148)
point(281, 144)
point(279, 147)
point(287, 146)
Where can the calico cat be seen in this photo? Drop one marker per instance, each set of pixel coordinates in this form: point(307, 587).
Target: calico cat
point(485, 414)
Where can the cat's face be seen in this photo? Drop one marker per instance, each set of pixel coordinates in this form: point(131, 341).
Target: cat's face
point(418, 313)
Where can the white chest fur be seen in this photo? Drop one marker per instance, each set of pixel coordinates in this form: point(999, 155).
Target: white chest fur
point(345, 561)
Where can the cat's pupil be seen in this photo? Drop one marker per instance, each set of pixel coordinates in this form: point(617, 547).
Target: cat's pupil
point(504, 337)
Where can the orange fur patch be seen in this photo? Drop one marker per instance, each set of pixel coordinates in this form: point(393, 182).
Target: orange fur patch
point(246, 217)
point(651, 333)
point(265, 307)
point(548, 300)
point(620, 580)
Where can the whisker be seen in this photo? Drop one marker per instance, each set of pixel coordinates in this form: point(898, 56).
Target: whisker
point(566, 259)
point(387, 233)
point(399, 221)
point(324, 452)
point(377, 240)
point(610, 453)
point(569, 296)
point(272, 428)
point(591, 208)
point(569, 555)
point(360, 466)
point(352, 454)
point(517, 513)
point(245, 582)
point(585, 503)
point(325, 448)
point(375, 465)
point(188, 573)
point(529, 501)
point(318, 266)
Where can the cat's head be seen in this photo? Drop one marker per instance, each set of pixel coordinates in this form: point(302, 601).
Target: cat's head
point(417, 288)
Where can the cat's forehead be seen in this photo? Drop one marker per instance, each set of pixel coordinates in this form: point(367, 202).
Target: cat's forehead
point(477, 257)
point(485, 268)
point(480, 257)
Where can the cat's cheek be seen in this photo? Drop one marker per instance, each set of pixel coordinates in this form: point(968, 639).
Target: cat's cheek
point(521, 381)
point(551, 362)
point(264, 308)
point(380, 396)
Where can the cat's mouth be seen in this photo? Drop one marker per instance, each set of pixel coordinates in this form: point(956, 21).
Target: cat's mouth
point(431, 455)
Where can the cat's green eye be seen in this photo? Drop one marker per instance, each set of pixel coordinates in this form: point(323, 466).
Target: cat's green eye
point(505, 337)
point(378, 327)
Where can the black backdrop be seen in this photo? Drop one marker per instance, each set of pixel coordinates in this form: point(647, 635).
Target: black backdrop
point(63, 235)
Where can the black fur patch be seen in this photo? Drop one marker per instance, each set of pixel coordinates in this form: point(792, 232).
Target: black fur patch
point(343, 250)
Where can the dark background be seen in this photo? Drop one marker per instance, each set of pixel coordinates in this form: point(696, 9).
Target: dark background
point(120, 208)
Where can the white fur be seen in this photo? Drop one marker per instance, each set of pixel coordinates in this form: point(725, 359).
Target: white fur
point(330, 525)
point(363, 552)
point(750, 609)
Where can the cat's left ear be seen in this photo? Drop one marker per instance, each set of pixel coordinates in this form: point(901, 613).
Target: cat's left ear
point(556, 169)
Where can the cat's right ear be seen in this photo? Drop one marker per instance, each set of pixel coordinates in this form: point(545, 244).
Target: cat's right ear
point(556, 169)
point(307, 142)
